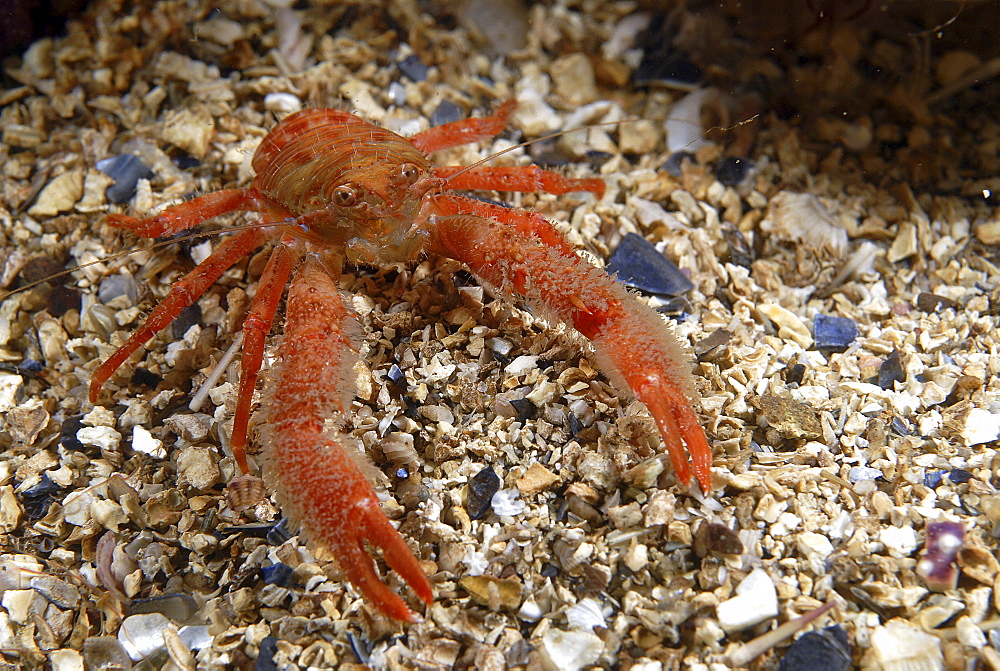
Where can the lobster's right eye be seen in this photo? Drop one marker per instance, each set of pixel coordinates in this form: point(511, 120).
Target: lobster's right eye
point(344, 196)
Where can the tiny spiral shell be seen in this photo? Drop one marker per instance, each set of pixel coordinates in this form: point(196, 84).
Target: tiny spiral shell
point(244, 492)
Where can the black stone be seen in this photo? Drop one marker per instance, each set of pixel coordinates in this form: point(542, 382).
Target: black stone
point(828, 649)
point(637, 264)
point(732, 170)
point(413, 67)
point(446, 112)
point(187, 318)
point(126, 170)
point(482, 487)
point(795, 373)
point(36, 500)
point(834, 333)
point(67, 433)
point(525, 409)
point(891, 371)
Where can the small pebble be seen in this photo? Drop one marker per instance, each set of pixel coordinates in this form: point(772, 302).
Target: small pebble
point(413, 67)
point(891, 371)
point(672, 166)
point(105, 652)
point(178, 607)
point(928, 302)
point(446, 112)
point(126, 170)
point(859, 473)
point(482, 487)
point(506, 503)
point(828, 649)
point(834, 333)
point(637, 264)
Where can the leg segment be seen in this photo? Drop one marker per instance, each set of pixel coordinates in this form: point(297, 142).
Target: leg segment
point(523, 221)
point(631, 340)
point(317, 480)
point(187, 215)
point(255, 329)
point(462, 132)
point(518, 178)
point(184, 292)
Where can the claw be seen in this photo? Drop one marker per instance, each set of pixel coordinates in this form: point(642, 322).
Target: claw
point(373, 526)
point(682, 434)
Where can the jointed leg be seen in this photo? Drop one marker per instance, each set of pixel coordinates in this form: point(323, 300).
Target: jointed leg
point(517, 178)
point(629, 337)
point(184, 292)
point(465, 131)
point(256, 326)
point(528, 223)
point(187, 215)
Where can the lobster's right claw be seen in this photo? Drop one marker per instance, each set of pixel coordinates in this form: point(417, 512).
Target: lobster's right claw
point(372, 525)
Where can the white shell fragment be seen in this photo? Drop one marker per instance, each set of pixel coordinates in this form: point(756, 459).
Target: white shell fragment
point(801, 217)
point(570, 650)
point(143, 441)
point(756, 600)
point(899, 646)
point(142, 634)
point(506, 502)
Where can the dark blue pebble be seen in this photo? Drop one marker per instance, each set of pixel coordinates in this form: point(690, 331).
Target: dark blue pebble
point(277, 574)
point(265, 658)
point(412, 67)
point(446, 112)
point(899, 426)
point(279, 533)
point(637, 264)
point(525, 409)
point(959, 476)
point(482, 487)
point(126, 170)
point(828, 649)
point(30, 366)
point(396, 375)
point(834, 333)
point(732, 170)
point(933, 479)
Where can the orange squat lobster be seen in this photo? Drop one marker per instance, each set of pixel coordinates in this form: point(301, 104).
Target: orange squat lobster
point(335, 187)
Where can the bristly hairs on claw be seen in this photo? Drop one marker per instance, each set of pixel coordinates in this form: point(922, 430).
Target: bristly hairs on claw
point(257, 224)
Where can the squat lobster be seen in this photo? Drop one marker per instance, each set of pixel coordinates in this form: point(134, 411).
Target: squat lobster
point(334, 187)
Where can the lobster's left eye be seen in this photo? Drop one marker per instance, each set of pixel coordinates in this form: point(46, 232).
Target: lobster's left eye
point(409, 173)
point(344, 196)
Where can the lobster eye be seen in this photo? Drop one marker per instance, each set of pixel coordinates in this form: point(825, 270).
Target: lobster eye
point(409, 172)
point(344, 196)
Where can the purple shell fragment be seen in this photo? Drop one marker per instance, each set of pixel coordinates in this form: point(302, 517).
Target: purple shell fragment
point(937, 564)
